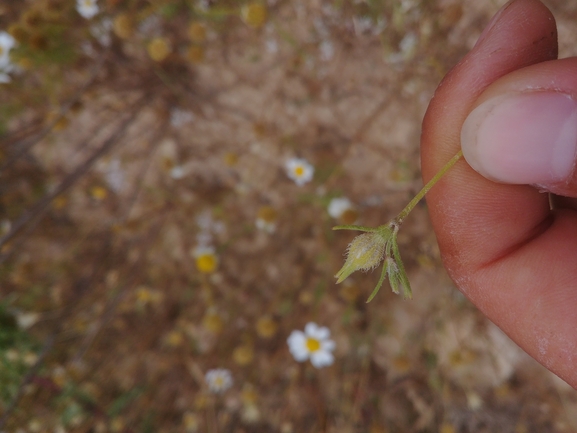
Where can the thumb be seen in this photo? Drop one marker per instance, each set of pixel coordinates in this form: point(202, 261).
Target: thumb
point(523, 128)
point(504, 247)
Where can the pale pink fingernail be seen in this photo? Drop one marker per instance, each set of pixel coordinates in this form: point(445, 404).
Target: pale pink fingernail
point(523, 138)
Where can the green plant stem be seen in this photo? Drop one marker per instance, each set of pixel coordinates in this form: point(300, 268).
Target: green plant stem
point(407, 210)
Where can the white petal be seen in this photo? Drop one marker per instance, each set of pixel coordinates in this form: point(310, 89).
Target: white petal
point(296, 338)
point(311, 329)
point(322, 358)
point(297, 346)
point(203, 251)
point(338, 206)
point(300, 354)
point(328, 345)
point(7, 41)
point(318, 332)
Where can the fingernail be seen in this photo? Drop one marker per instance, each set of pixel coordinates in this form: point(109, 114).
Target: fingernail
point(523, 138)
point(493, 22)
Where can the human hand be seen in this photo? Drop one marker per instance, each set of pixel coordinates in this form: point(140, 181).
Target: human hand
point(513, 108)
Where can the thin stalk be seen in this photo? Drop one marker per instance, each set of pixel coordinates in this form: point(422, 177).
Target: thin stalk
point(407, 210)
point(358, 228)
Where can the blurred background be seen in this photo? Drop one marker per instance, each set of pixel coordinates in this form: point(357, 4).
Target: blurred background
point(170, 171)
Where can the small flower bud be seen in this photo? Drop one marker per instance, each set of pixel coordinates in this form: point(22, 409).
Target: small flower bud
point(365, 252)
point(368, 250)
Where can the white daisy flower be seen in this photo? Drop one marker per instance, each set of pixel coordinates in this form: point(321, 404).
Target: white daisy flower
point(26, 320)
point(218, 380)
point(87, 8)
point(299, 170)
point(338, 206)
point(7, 42)
point(265, 226)
point(177, 172)
point(206, 259)
point(313, 344)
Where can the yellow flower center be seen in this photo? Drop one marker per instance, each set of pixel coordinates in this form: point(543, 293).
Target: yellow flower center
point(213, 323)
point(195, 54)
point(206, 263)
point(197, 32)
point(313, 344)
point(266, 327)
point(1, 50)
point(123, 26)
point(159, 49)
point(267, 214)
point(98, 192)
point(174, 339)
point(219, 381)
point(243, 355)
point(254, 14)
point(299, 171)
point(144, 295)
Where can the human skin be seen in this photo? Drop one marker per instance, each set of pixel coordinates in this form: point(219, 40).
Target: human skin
point(504, 247)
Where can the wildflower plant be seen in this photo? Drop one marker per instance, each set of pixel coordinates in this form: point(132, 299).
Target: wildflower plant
point(378, 244)
point(314, 344)
point(7, 42)
point(299, 170)
point(206, 259)
point(338, 206)
point(218, 380)
point(87, 8)
point(266, 219)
